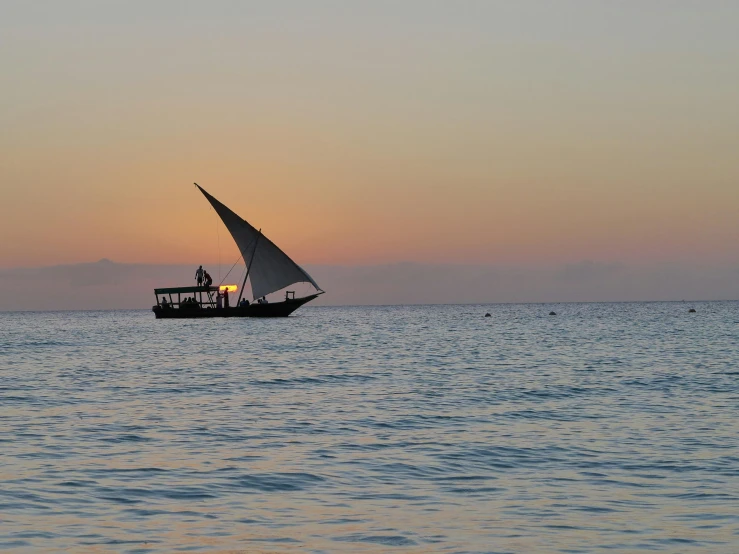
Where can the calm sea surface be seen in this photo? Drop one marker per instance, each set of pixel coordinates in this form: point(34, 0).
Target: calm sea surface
point(609, 427)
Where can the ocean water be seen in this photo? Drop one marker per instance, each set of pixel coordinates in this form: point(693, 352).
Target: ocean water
point(609, 427)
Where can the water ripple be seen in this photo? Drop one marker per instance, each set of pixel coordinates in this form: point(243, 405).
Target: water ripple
point(409, 429)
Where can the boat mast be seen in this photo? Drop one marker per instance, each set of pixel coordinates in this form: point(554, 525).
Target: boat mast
point(248, 269)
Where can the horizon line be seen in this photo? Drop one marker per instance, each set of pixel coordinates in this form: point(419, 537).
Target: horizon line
point(331, 306)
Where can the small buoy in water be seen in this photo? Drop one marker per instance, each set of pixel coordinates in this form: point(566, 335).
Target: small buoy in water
point(691, 311)
point(487, 315)
point(552, 313)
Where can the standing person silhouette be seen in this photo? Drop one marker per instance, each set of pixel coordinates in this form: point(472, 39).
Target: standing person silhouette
point(199, 275)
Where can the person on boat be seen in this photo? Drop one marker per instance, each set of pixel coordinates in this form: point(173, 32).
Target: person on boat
point(219, 300)
point(244, 302)
point(262, 300)
point(208, 278)
point(199, 275)
point(225, 298)
point(165, 304)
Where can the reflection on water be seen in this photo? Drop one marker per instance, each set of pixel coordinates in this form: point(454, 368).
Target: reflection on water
point(417, 429)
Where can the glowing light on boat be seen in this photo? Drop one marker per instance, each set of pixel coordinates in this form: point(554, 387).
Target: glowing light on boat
point(229, 288)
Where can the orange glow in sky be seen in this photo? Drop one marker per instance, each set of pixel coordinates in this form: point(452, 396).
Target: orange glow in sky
point(493, 132)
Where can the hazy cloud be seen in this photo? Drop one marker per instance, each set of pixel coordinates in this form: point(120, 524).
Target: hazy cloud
point(109, 285)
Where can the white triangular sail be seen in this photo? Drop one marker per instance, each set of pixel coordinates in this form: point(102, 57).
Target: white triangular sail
point(270, 269)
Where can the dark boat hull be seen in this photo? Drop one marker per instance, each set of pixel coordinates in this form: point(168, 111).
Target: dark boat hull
point(275, 309)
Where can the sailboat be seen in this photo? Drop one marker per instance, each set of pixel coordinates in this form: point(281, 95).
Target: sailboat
point(268, 268)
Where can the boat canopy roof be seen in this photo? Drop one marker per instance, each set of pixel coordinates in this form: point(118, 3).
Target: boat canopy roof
point(180, 290)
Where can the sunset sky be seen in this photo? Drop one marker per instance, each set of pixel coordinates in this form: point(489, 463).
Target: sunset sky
point(370, 132)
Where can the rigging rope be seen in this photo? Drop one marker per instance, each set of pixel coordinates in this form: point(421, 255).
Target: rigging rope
point(218, 241)
point(218, 238)
point(229, 271)
point(234, 265)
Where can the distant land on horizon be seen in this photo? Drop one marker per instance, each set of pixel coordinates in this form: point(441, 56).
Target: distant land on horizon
point(110, 285)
